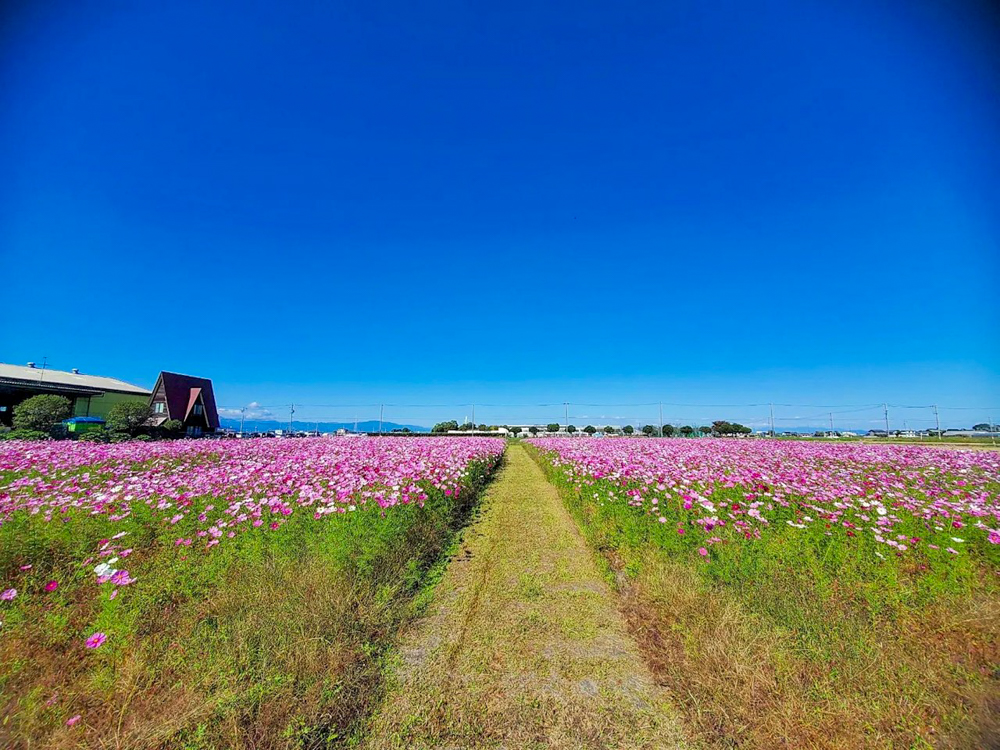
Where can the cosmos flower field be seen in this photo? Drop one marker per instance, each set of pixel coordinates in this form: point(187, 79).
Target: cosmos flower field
point(116, 554)
point(905, 500)
point(803, 594)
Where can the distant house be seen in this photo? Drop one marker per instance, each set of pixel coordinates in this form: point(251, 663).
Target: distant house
point(90, 395)
point(187, 399)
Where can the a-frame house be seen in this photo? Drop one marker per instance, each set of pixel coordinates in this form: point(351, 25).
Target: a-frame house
point(189, 400)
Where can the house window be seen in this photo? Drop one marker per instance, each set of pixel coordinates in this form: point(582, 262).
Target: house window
point(193, 431)
point(198, 410)
point(159, 407)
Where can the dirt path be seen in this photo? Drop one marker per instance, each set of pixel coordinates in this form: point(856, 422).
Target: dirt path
point(522, 646)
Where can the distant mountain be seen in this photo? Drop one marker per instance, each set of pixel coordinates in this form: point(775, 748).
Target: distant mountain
point(268, 425)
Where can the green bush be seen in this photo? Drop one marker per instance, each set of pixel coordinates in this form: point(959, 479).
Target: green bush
point(42, 413)
point(128, 417)
point(20, 434)
point(94, 436)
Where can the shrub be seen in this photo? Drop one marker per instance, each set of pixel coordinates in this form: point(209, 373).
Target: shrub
point(95, 436)
point(129, 417)
point(41, 413)
point(20, 434)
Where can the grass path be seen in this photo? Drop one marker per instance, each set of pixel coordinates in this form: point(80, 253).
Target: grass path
point(522, 645)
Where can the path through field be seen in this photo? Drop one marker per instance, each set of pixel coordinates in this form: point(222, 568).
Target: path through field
point(523, 646)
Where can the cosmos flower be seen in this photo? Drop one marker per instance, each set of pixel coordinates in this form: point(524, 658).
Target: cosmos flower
point(95, 640)
point(8, 595)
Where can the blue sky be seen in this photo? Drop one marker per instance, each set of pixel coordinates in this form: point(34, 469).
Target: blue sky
point(529, 203)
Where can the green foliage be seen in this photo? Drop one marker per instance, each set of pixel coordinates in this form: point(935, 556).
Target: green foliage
point(533, 430)
point(590, 429)
point(721, 427)
point(445, 426)
point(687, 430)
point(553, 427)
point(609, 430)
point(42, 413)
point(570, 428)
point(668, 430)
point(128, 417)
point(172, 428)
point(95, 436)
point(648, 430)
point(628, 429)
point(20, 434)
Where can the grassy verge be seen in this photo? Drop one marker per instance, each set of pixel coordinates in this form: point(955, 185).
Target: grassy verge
point(275, 639)
point(793, 642)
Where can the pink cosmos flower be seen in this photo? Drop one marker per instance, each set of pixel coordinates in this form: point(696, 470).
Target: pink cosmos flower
point(703, 552)
point(72, 720)
point(994, 537)
point(680, 531)
point(96, 640)
point(8, 595)
point(52, 585)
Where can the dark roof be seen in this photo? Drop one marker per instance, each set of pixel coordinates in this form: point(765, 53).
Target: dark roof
point(181, 392)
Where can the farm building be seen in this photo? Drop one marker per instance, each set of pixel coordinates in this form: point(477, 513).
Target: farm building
point(91, 395)
point(188, 400)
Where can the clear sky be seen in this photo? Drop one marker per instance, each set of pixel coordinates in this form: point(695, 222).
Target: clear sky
point(508, 203)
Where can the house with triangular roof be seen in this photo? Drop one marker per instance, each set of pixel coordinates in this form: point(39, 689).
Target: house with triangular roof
point(189, 400)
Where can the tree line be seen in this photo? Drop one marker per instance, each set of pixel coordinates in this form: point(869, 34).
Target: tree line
point(720, 428)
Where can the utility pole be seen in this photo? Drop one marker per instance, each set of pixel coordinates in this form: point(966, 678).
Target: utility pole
point(291, 413)
point(566, 406)
point(381, 410)
point(473, 419)
point(771, 407)
point(661, 419)
point(937, 421)
point(355, 423)
point(243, 418)
point(831, 424)
point(885, 408)
point(993, 432)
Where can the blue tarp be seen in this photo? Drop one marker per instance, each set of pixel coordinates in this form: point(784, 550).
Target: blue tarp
point(80, 420)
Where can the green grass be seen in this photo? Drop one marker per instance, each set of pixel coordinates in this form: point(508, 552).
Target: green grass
point(798, 639)
point(272, 639)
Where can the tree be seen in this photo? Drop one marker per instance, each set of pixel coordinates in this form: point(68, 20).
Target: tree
point(42, 413)
point(445, 426)
point(687, 430)
point(705, 430)
point(981, 427)
point(590, 429)
point(533, 430)
point(514, 430)
point(649, 430)
point(668, 430)
point(609, 430)
point(467, 427)
point(628, 429)
point(570, 428)
point(128, 417)
point(554, 427)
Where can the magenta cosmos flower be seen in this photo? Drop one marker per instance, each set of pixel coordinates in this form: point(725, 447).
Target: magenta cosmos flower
point(8, 595)
point(96, 640)
point(72, 720)
point(52, 585)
